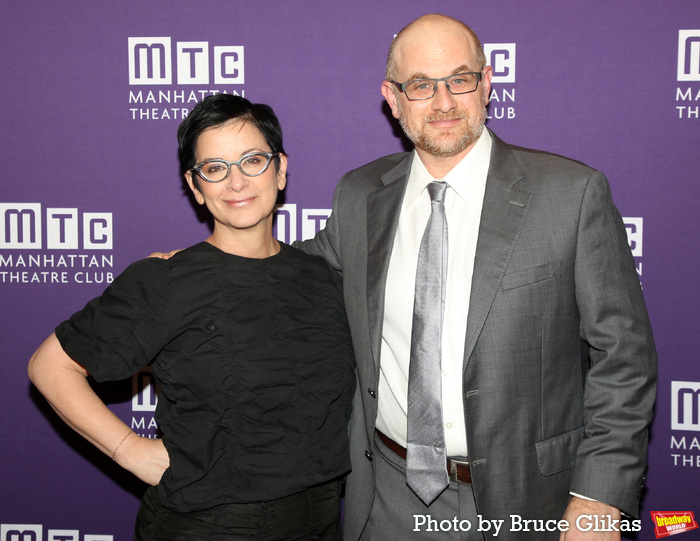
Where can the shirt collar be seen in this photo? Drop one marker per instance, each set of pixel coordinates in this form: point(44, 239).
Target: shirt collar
point(468, 174)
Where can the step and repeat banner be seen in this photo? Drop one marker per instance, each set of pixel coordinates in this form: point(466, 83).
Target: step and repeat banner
point(91, 94)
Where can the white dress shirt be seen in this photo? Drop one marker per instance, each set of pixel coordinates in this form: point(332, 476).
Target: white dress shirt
point(463, 202)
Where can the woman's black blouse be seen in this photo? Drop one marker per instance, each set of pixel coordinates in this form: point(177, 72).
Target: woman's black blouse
point(255, 363)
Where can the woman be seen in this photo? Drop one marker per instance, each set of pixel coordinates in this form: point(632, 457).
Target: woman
point(249, 341)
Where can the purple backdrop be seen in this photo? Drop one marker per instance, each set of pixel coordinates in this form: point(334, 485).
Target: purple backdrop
point(92, 94)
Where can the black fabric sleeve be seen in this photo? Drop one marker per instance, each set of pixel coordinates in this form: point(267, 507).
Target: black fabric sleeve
point(123, 330)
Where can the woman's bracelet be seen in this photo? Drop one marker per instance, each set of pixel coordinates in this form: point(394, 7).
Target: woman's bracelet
point(114, 454)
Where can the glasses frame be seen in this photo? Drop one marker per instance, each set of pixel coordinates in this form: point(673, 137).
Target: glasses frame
point(268, 155)
point(402, 86)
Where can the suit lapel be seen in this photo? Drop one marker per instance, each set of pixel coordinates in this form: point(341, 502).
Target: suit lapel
point(502, 216)
point(383, 209)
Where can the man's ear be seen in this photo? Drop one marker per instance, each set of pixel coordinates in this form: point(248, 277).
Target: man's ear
point(391, 97)
point(487, 73)
point(197, 194)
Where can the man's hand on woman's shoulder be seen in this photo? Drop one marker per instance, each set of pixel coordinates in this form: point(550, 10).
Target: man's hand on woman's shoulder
point(164, 255)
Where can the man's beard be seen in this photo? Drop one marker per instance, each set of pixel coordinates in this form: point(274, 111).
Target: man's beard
point(469, 129)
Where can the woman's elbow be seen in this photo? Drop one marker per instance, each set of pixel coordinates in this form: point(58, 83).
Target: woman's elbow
point(48, 361)
point(38, 364)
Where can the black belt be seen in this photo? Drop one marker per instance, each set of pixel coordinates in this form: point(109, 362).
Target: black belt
point(457, 470)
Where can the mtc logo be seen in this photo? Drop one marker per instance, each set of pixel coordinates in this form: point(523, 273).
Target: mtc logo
point(150, 62)
point(21, 228)
point(285, 226)
point(689, 55)
point(635, 233)
point(685, 405)
point(501, 57)
point(34, 532)
point(144, 391)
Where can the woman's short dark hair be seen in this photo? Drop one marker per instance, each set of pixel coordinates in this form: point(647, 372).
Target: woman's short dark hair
point(221, 109)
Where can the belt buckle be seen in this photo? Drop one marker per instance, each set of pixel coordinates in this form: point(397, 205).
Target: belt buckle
point(454, 474)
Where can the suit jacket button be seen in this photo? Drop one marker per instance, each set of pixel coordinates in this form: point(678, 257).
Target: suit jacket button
point(372, 393)
point(369, 456)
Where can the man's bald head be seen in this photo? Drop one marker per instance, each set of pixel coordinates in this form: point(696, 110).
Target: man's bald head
point(426, 26)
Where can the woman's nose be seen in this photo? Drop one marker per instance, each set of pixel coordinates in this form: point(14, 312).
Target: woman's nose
point(236, 180)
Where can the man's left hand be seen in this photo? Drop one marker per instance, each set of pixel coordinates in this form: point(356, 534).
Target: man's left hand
point(581, 517)
point(164, 255)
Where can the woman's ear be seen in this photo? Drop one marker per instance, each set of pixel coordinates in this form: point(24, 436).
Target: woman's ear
point(282, 172)
point(195, 190)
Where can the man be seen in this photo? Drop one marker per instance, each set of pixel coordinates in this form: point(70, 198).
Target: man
point(548, 367)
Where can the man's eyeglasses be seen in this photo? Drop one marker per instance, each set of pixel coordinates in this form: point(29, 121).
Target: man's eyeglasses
point(424, 89)
point(251, 165)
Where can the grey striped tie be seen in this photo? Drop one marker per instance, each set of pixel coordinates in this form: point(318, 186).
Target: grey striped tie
point(426, 465)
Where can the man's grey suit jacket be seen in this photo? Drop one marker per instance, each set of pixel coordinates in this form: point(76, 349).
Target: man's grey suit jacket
point(559, 363)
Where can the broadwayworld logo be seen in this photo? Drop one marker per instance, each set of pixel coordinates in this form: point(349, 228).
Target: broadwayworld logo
point(673, 522)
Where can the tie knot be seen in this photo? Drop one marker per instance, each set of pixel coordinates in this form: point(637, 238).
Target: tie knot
point(437, 190)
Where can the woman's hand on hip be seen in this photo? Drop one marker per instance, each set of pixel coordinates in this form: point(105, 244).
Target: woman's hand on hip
point(146, 458)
